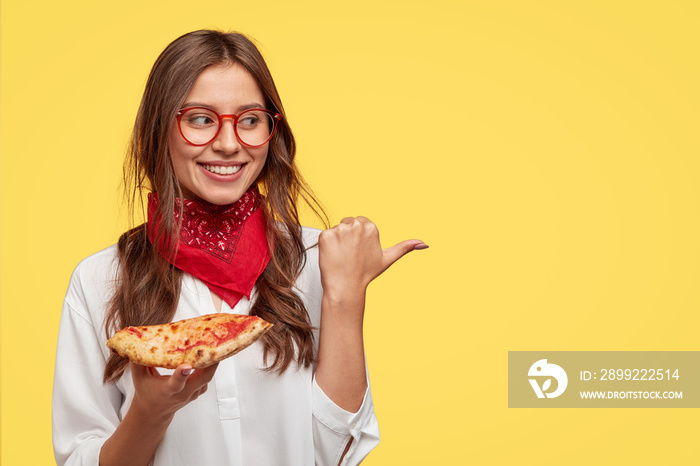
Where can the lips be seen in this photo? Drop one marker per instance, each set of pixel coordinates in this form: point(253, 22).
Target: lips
point(221, 170)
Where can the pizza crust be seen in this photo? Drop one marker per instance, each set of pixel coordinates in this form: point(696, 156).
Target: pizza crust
point(200, 342)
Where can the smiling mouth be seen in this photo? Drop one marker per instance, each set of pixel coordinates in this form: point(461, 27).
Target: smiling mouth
point(222, 170)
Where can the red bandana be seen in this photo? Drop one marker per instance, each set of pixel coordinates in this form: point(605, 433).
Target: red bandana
point(224, 246)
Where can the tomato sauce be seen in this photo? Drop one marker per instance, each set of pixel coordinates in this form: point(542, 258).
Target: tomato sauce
point(134, 331)
point(218, 336)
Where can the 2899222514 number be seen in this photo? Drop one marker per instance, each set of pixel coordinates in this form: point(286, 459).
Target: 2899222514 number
point(639, 374)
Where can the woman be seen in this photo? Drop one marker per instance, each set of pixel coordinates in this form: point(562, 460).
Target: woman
point(210, 137)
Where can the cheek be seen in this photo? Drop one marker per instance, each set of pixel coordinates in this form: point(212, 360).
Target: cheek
point(260, 160)
point(178, 162)
point(176, 156)
point(181, 154)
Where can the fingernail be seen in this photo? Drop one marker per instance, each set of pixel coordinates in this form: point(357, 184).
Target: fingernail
point(186, 371)
point(420, 246)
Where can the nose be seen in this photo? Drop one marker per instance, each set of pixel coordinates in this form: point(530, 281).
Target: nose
point(226, 141)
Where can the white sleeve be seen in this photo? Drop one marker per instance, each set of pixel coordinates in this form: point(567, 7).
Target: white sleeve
point(334, 428)
point(85, 412)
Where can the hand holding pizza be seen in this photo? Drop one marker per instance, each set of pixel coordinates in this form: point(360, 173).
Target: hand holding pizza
point(156, 400)
point(163, 395)
point(199, 342)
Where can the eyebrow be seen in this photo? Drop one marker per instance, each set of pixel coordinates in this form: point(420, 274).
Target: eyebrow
point(238, 109)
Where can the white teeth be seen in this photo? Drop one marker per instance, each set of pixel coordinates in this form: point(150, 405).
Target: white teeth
point(223, 170)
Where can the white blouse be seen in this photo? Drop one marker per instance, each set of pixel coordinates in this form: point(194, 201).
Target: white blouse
point(246, 417)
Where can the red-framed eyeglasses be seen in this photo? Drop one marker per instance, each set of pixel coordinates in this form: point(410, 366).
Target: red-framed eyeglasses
point(200, 125)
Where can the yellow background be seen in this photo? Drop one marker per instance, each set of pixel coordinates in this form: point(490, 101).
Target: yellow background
point(547, 151)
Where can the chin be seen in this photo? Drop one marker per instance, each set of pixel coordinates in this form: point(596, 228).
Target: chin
point(222, 198)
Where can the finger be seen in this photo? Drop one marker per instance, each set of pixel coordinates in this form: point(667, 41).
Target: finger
point(358, 219)
point(138, 371)
point(397, 251)
point(204, 375)
point(176, 382)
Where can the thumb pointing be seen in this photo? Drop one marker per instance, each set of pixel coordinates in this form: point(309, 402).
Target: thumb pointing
point(397, 251)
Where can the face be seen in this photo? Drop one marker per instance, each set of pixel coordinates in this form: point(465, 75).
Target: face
point(226, 90)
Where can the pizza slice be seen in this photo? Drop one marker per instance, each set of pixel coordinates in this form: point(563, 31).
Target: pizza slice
point(200, 342)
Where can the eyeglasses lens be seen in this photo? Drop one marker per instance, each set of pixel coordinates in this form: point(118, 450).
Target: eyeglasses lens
point(200, 126)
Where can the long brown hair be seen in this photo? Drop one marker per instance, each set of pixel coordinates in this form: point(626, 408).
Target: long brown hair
point(148, 286)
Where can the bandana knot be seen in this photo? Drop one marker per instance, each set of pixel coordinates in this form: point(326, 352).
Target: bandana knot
point(213, 228)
